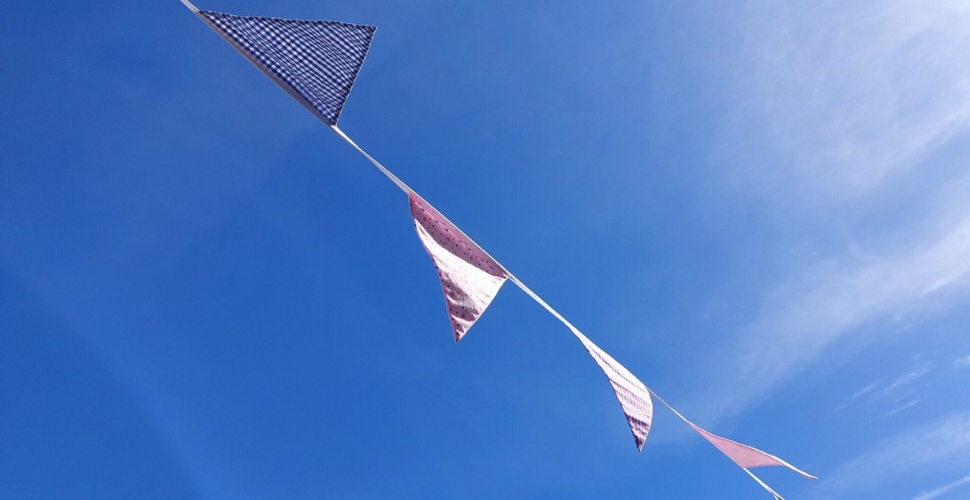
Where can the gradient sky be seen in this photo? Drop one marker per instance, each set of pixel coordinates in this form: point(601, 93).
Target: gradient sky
point(761, 209)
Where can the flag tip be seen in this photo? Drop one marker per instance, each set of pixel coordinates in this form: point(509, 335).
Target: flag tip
point(800, 472)
point(191, 7)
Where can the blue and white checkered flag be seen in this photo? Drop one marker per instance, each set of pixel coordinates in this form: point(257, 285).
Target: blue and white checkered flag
point(316, 62)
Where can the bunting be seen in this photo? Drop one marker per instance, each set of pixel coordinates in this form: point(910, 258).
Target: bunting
point(743, 455)
point(316, 63)
point(470, 279)
point(634, 397)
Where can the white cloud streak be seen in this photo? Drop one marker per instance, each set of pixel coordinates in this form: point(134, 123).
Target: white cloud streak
point(943, 445)
point(881, 391)
point(930, 495)
point(803, 318)
point(850, 95)
point(861, 392)
point(846, 93)
point(902, 387)
point(904, 406)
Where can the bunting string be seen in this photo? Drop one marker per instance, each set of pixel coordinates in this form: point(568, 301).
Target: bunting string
point(633, 395)
point(317, 63)
point(763, 485)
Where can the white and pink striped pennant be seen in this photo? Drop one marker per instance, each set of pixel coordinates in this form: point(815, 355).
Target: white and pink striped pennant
point(470, 279)
point(634, 397)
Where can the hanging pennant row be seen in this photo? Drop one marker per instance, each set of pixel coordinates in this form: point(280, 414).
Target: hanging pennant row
point(316, 63)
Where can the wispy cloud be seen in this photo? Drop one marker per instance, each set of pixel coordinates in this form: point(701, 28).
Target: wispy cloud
point(834, 100)
point(944, 444)
point(930, 495)
point(860, 393)
point(903, 386)
point(803, 317)
point(846, 94)
point(909, 404)
point(963, 362)
point(893, 392)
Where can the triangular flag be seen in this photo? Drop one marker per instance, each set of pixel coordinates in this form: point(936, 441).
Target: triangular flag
point(741, 454)
point(745, 456)
point(634, 397)
point(315, 62)
point(470, 279)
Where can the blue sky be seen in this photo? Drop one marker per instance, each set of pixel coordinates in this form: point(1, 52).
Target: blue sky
point(761, 209)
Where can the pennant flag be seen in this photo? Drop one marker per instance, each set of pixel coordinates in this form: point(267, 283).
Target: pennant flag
point(470, 279)
point(316, 62)
point(745, 456)
point(634, 397)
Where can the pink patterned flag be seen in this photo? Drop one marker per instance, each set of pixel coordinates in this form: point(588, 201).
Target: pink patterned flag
point(744, 455)
point(634, 397)
point(470, 279)
point(741, 454)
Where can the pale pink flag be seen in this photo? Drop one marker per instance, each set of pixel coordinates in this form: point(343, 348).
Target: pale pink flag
point(741, 454)
point(634, 397)
point(744, 455)
point(470, 279)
